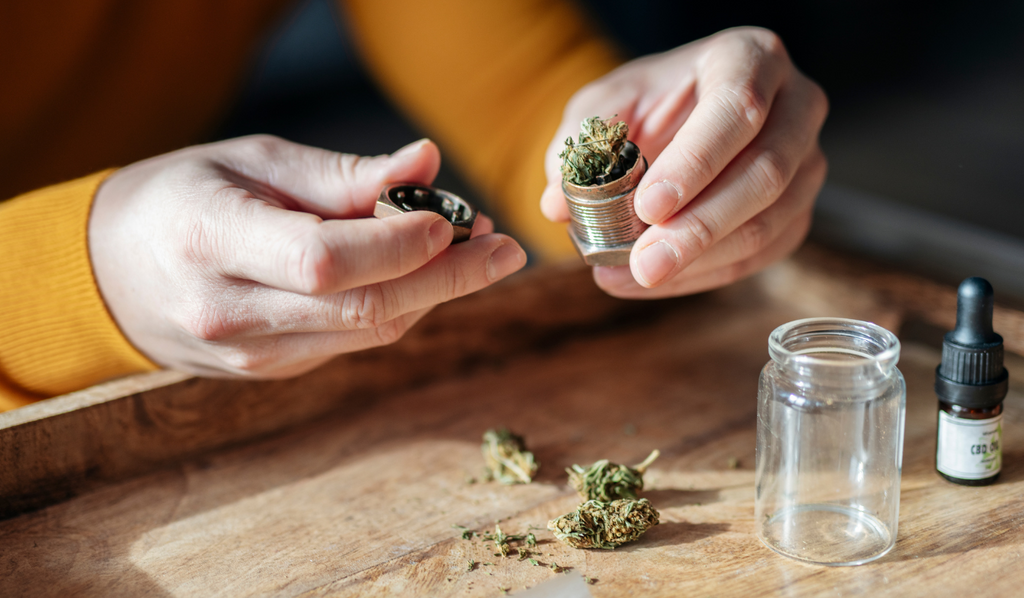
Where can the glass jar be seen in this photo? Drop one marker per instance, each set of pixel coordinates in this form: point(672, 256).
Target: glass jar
point(830, 411)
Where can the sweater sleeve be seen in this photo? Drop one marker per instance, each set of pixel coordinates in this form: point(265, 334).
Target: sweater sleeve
point(489, 81)
point(56, 335)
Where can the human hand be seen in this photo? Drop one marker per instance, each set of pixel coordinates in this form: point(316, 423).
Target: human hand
point(730, 128)
point(254, 257)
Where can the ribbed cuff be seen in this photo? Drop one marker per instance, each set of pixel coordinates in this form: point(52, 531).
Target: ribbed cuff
point(56, 335)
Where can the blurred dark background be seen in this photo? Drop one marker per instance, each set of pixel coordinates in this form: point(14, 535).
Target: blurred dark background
point(925, 138)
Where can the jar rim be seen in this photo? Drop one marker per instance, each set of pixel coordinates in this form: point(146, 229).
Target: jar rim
point(884, 346)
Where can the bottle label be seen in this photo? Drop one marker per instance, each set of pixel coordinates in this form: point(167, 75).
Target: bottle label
point(969, 449)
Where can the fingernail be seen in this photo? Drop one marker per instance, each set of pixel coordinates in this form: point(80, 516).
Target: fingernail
point(410, 149)
point(505, 260)
point(439, 236)
point(656, 261)
point(658, 202)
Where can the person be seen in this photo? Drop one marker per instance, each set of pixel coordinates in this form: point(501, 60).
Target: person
point(252, 257)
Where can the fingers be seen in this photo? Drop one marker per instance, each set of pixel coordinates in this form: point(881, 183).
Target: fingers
point(619, 282)
point(748, 185)
point(739, 80)
point(483, 225)
point(762, 230)
point(253, 311)
point(246, 238)
point(328, 184)
point(286, 355)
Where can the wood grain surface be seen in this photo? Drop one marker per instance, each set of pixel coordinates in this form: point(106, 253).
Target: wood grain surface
point(347, 481)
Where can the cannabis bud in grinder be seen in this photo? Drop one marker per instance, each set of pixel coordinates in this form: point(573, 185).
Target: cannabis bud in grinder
point(597, 524)
point(506, 457)
point(606, 481)
point(600, 174)
point(595, 160)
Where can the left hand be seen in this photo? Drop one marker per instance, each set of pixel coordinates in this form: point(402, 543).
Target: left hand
point(730, 128)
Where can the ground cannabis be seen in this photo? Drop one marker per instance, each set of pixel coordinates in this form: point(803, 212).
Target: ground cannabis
point(503, 542)
point(506, 457)
point(606, 481)
point(597, 524)
point(594, 159)
point(467, 534)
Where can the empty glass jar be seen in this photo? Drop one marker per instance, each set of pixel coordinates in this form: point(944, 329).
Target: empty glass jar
point(830, 413)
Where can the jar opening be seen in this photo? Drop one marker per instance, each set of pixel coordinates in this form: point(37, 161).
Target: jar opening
point(833, 343)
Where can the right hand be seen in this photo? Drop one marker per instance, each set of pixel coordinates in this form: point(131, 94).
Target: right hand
point(255, 257)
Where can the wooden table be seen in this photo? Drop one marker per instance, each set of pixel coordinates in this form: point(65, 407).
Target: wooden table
point(347, 481)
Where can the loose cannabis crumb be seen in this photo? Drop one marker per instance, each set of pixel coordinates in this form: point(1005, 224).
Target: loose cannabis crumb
point(523, 554)
point(733, 463)
point(531, 540)
point(606, 481)
point(589, 580)
point(506, 457)
point(596, 524)
point(534, 562)
point(466, 533)
point(471, 565)
point(503, 589)
point(594, 159)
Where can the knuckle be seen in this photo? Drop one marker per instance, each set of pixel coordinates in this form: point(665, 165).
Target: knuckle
point(391, 331)
point(697, 165)
point(456, 281)
point(771, 172)
point(749, 103)
point(263, 145)
point(754, 39)
point(769, 41)
point(312, 266)
point(699, 233)
point(245, 360)
point(755, 234)
point(208, 323)
point(364, 307)
point(348, 166)
point(195, 244)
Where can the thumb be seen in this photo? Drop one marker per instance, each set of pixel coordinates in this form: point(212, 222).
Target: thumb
point(329, 184)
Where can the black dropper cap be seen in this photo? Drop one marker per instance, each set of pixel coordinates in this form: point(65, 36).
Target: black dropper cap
point(971, 373)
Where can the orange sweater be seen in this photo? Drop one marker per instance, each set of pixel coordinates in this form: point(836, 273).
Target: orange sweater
point(90, 84)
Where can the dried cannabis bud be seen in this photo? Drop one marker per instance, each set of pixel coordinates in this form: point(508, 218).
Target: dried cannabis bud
point(506, 457)
point(596, 524)
point(594, 160)
point(606, 481)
